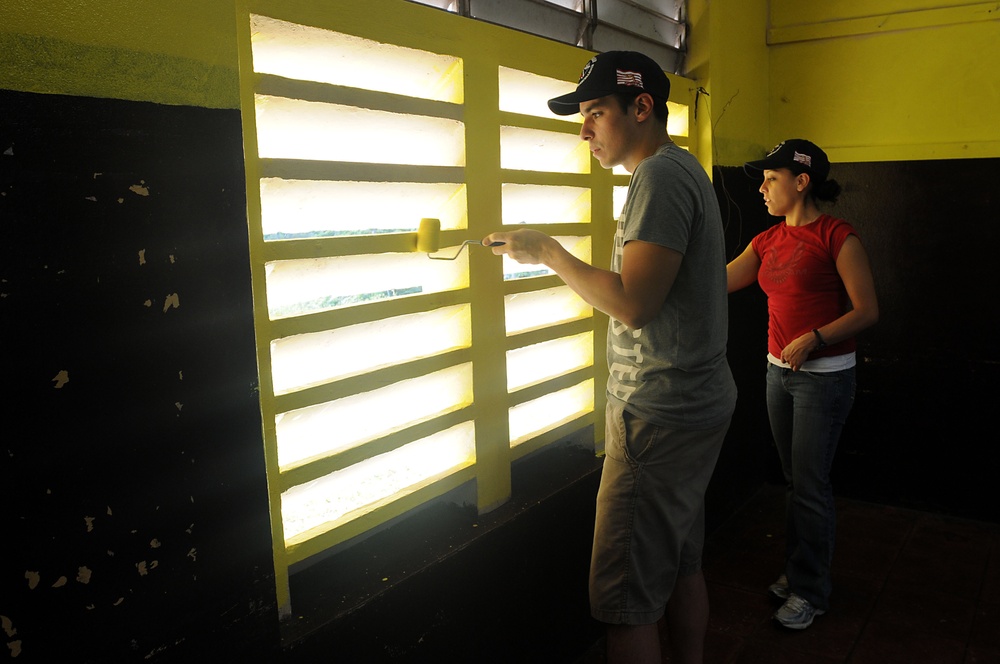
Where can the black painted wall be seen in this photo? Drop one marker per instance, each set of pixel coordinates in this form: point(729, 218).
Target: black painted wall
point(922, 433)
point(136, 525)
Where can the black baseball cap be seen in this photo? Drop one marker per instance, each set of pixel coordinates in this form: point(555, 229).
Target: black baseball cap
point(798, 154)
point(611, 72)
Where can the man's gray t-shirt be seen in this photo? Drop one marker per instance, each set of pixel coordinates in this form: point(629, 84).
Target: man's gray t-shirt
point(673, 371)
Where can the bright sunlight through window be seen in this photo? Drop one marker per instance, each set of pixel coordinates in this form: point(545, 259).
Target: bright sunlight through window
point(547, 151)
point(533, 364)
point(319, 504)
point(578, 246)
point(526, 93)
point(311, 54)
point(545, 413)
point(327, 428)
point(538, 309)
point(545, 204)
point(292, 209)
point(296, 129)
point(310, 285)
point(315, 358)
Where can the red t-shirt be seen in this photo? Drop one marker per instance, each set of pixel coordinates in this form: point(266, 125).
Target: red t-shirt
point(798, 272)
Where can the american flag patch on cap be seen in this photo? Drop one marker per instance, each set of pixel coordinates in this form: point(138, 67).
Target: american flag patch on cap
point(632, 78)
point(803, 159)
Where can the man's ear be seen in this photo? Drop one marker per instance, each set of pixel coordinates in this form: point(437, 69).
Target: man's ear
point(643, 106)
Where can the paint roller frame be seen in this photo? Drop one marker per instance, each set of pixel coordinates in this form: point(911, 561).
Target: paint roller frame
point(428, 239)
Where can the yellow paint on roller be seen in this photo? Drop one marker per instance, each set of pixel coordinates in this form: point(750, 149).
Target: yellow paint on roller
point(428, 235)
point(428, 239)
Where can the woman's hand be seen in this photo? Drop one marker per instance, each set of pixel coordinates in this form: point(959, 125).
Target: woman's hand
point(798, 351)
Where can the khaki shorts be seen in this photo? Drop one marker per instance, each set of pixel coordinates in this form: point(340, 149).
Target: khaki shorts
point(650, 525)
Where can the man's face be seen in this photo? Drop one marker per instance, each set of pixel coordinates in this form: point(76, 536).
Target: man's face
point(609, 131)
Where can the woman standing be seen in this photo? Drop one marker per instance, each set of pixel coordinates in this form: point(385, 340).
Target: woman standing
point(820, 294)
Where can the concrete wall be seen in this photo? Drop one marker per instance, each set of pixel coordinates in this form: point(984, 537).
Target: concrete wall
point(868, 80)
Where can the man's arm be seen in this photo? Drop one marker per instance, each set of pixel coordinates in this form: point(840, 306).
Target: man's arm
point(633, 297)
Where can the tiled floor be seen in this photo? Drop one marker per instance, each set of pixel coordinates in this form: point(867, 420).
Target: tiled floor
point(909, 588)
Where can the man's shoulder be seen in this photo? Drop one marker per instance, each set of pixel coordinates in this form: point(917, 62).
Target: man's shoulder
point(672, 159)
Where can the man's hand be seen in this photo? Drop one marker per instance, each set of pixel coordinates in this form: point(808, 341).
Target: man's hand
point(634, 296)
point(523, 245)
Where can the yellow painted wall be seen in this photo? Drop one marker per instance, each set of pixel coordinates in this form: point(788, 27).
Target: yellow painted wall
point(728, 55)
point(886, 80)
point(867, 79)
point(181, 52)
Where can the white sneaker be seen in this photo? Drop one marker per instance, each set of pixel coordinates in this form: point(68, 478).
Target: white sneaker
point(779, 588)
point(797, 613)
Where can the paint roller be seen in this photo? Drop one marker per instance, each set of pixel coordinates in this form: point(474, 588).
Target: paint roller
point(429, 235)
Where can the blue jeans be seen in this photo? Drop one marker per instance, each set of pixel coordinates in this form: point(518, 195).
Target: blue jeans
point(807, 412)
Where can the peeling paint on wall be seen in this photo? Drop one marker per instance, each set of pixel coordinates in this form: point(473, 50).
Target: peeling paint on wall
point(71, 288)
point(61, 379)
point(143, 567)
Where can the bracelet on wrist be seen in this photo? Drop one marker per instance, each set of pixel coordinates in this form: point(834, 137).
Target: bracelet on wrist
point(819, 338)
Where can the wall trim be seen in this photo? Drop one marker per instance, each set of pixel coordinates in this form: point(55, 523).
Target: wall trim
point(914, 151)
point(883, 23)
